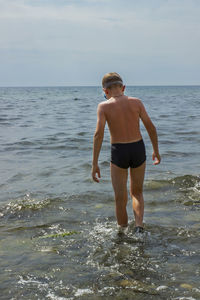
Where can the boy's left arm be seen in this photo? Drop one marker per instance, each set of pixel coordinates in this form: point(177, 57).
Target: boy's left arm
point(97, 141)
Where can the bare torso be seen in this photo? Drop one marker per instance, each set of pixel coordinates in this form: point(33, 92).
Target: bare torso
point(123, 116)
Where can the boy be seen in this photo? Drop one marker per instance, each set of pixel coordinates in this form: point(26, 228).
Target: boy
point(123, 114)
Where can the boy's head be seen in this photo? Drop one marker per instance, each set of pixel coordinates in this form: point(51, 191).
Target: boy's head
point(111, 80)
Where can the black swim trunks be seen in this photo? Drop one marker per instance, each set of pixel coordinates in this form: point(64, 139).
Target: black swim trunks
point(125, 155)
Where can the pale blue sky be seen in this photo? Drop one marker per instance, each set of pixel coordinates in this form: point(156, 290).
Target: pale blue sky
point(74, 42)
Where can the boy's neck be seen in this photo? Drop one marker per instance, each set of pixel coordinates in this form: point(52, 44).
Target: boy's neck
point(115, 93)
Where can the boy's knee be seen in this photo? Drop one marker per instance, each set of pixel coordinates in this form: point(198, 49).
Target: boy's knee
point(137, 191)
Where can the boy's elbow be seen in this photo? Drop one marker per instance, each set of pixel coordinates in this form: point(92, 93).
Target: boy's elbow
point(151, 128)
point(98, 134)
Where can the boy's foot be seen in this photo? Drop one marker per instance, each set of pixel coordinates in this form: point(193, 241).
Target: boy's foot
point(138, 229)
point(122, 229)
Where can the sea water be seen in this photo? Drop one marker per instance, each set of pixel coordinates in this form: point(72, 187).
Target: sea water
point(58, 233)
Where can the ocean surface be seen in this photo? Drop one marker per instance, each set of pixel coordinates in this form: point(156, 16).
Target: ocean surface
point(58, 232)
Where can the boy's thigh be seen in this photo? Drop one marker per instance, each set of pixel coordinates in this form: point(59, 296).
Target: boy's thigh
point(137, 176)
point(119, 178)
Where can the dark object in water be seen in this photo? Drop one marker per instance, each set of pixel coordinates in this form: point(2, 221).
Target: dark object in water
point(138, 229)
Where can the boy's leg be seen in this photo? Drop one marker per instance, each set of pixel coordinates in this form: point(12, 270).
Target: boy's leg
point(119, 181)
point(136, 191)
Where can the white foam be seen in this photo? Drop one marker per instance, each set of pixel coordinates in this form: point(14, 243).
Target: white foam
point(81, 292)
point(52, 296)
point(161, 287)
point(184, 298)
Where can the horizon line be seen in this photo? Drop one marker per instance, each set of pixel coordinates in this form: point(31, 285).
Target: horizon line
point(128, 85)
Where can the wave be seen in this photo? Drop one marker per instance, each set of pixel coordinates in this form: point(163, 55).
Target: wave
point(185, 181)
point(27, 205)
point(53, 142)
point(184, 189)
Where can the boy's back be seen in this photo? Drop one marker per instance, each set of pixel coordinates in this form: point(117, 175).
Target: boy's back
point(122, 115)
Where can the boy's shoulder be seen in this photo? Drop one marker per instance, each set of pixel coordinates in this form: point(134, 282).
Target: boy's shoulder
point(102, 104)
point(135, 100)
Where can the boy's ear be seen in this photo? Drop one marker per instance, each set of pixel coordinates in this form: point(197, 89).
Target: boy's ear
point(105, 91)
point(123, 89)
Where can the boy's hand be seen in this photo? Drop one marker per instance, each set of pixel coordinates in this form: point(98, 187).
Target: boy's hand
point(96, 170)
point(156, 158)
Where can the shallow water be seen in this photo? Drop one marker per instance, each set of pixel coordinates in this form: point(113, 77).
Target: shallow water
point(47, 192)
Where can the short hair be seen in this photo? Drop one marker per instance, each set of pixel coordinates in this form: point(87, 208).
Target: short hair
point(111, 79)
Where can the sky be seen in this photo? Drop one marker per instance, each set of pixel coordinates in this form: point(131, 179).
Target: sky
point(75, 42)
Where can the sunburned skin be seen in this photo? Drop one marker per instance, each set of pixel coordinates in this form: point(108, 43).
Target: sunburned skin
point(123, 116)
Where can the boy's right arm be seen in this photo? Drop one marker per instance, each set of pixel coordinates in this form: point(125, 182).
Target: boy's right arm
point(151, 129)
point(97, 141)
